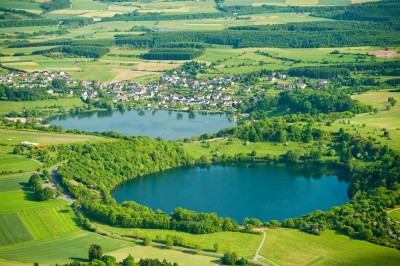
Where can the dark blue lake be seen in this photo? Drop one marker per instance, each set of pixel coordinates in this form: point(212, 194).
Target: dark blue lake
point(169, 125)
point(258, 191)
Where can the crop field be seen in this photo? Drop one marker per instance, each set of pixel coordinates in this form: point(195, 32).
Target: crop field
point(29, 6)
point(12, 182)
point(14, 201)
point(334, 2)
point(61, 249)
point(14, 137)
point(8, 106)
point(50, 222)
point(293, 247)
point(15, 163)
point(242, 243)
point(12, 229)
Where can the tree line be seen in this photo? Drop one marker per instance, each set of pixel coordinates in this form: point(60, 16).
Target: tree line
point(55, 5)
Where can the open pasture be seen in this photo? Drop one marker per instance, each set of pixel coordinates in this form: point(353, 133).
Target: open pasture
point(230, 148)
point(293, 247)
point(160, 253)
point(242, 243)
point(12, 229)
point(15, 163)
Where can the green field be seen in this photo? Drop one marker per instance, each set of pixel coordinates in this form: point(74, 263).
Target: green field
point(197, 149)
point(293, 247)
point(395, 215)
point(241, 243)
point(374, 123)
point(9, 138)
point(12, 229)
point(15, 163)
point(12, 182)
point(8, 106)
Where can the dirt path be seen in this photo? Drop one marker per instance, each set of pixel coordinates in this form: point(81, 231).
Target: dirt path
point(257, 255)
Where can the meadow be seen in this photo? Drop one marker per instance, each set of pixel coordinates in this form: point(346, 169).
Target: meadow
point(8, 106)
point(293, 247)
point(395, 215)
point(15, 163)
point(241, 243)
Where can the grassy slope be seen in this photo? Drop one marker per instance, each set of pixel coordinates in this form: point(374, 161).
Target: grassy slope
point(374, 123)
point(395, 215)
point(293, 247)
point(244, 244)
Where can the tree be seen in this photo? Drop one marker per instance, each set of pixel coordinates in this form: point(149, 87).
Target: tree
point(129, 261)
point(146, 240)
point(216, 247)
point(95, 252)
point(230, 258)
point(59, 83)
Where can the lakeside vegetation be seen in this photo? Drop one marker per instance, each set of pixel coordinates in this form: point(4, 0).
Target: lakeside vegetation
point(311, 82)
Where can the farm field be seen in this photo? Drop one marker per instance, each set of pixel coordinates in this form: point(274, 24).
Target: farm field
point(14, 137)
point(8, 106)
point(241, 243)
point(293, 247)
point(15, 163)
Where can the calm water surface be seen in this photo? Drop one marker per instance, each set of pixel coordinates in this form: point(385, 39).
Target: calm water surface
point(260, 191)
point(166, 124)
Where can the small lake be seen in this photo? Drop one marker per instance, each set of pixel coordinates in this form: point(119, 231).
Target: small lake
point(169, 125)
point(256, 191)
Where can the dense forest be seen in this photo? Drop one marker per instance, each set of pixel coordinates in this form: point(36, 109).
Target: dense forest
point(55, 4)
point(24, 94)
point(304, 101)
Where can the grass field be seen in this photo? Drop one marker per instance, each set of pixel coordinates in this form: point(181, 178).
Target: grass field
point(395, 215)
point(293, 247)
point(12, 182)
point(14, 163)
point(12, 229)
point(170, 255)
point(8, 106)
point(241, 243)
point(374, 123)
point(14, 137)
point(198, 149)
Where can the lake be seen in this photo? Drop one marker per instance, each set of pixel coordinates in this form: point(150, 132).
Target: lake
point(243, 190)
point(169, 125)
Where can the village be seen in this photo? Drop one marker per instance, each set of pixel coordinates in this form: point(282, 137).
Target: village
point(171, 91)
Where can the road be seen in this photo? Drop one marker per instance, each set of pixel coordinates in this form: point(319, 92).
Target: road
point(65, 196)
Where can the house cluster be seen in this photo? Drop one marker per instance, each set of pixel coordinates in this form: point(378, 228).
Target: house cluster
point(41, 79)
point(171, 90)
point(176, 89)
point(302, 84)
